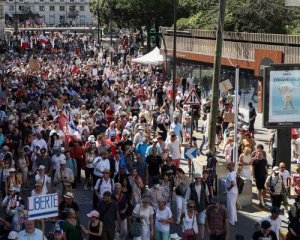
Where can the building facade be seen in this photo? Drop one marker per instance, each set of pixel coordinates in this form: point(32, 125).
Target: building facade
point(49, 12)
point(2, 17)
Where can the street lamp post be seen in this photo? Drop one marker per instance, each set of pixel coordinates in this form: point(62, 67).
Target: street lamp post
point(110, 29)
point(174, 54)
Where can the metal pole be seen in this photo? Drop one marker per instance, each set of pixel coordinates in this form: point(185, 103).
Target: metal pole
point(216, 77)
point(236, 116)
point(174, 54)
point(110, 29)
point(98, 18)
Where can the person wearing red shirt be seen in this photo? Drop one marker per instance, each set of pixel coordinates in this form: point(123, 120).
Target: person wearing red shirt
point(77, 154)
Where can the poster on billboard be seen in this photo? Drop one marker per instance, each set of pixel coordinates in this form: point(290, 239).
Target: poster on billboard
point(281, 98)
point(292, 3)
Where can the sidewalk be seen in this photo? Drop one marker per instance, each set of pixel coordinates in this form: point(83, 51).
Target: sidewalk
point(249, 215)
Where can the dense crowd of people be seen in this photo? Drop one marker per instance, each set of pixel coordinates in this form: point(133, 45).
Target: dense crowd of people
point(71, 106)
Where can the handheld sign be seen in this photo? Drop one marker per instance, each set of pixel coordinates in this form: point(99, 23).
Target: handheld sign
point(192, 99)
point(43, 206)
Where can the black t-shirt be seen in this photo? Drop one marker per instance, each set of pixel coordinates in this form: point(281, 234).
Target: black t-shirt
point(102, 128)
point(63, 208)
point(123, 144)
point(153, 164)
point(258, 235)
point(135, 112)
point(169, 170)
point(121, 202)
point(260, 167)
point(160, 94)
point(108, 213)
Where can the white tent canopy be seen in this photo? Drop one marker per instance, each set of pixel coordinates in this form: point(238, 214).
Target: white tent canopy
point(153, 57)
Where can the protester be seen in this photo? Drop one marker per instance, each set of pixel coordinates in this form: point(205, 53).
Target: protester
point(259, 173)
point(232, 193)
point(275, 185)
point(274, 219)
point(163, 219)
point(217, 220)
point(265, 232)
point(189, 222)
point(31, 232)
point(94, 230)
point(198, 193)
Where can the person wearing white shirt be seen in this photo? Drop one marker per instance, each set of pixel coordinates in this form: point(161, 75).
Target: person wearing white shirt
point(38, 189)
point(274, 219)
point(105, 184)
point(163, 220)
point(173, 147)
point(39, 142)
point(57, 158)
point(100, 164)
point(30, 232)
point(232, 193)
point(43, 178)
point(286, 176)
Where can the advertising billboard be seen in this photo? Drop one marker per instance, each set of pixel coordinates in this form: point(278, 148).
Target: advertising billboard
point(281, 96)
point(292, 3)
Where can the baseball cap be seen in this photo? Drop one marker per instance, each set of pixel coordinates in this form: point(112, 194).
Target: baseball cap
point(93, 214)
point(276, 169)
point(275, 210)
point(12, 235)
point(63, 161)
point(58, 230)
point(197, 175)
point(42, 167)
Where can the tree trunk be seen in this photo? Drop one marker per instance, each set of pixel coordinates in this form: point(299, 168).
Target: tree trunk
point(148, 38)
point(142, 36)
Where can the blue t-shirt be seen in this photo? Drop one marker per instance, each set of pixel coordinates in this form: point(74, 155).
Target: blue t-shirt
point(141, 148)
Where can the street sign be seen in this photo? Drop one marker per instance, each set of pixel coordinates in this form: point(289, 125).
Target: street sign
point(43, 206)
point(190, 153)
point(192, 99)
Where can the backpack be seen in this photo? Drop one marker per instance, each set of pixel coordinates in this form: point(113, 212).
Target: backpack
point(240, 183)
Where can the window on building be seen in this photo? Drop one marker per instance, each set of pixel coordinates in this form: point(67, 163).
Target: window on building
point(62, 1)
point(41, 0)
point(81, 8)
point(82, 1)
point(21, 8)
point(20, 0)
point(11, 8)
point(42, 8)
point(62, 19)
point(1, 12)
point(62, 8)
point(51, 0)
point(52, 8)
point(71, 0)
point(10, 0)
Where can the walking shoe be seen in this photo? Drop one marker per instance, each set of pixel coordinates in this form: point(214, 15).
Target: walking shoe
point(85, 187)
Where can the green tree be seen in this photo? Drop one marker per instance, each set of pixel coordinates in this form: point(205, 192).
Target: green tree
point(258, 16)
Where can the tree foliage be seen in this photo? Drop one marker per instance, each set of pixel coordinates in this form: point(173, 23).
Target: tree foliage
point(133, 13)
point(258, 16)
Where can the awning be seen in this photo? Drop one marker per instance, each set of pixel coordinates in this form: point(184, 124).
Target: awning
point(153, 57)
